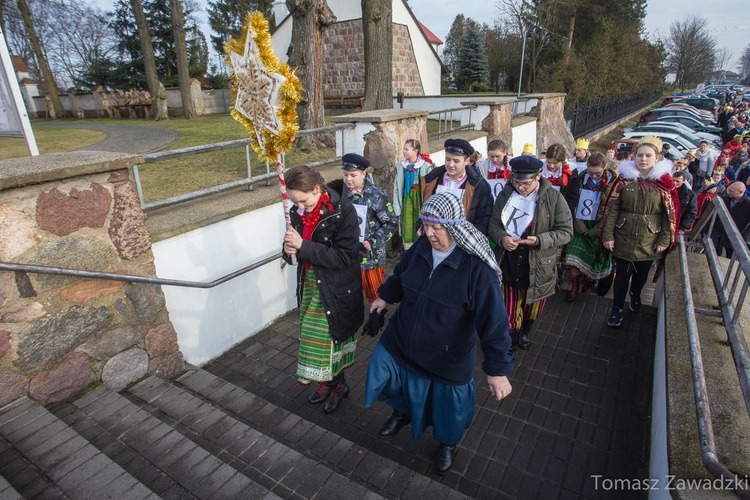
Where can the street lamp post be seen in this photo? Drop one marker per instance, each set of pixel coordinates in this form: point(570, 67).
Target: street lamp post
point(523, 55)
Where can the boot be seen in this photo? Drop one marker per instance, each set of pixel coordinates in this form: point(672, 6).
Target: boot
point(324, 390)
point(513, 351)
point(444, 460)
point(339, 392)
point(395, 423)
point(525, 334)
point(573, 288)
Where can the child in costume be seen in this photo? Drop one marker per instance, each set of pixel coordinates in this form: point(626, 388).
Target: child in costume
point(407, 188)
point(378, 222)
point(580, 156)
point(556, 169)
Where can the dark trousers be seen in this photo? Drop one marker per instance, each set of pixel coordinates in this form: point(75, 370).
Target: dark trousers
point(626, 270)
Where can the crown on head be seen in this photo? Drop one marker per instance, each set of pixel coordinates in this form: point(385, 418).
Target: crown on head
point(653, 140)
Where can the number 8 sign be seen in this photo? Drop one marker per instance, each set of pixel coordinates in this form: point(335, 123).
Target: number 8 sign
point(588, 204)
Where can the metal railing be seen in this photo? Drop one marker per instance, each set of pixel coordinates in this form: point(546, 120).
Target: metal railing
point(218, 146)
point(522, 106)
point(446, 122)
point(586, 117)
point(739, 267)
point(131, 278)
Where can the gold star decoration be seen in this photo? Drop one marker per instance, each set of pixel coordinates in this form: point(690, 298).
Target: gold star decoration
point(265, 90)
point(257, 90)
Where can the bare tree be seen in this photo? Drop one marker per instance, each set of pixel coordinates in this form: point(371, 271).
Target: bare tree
point(49, 79)
point(725, 60)
point(744, 64)
point(311, 19)
point(377, 18)
point(155, 88)
point(691, 51)
point(178, 26)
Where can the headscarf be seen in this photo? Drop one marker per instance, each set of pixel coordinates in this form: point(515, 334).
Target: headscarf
point(446, 209)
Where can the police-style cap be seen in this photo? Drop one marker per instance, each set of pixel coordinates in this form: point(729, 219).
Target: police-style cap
point(458, 147)
point(525, 167)
point(353, 161)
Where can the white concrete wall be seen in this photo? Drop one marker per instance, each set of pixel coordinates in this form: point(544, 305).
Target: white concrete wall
point(282, 38)
point(659, 455)
point(521, 135)
point(437, 153)
point(209, 322)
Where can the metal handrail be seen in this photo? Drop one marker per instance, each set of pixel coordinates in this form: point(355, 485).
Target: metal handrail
point(248, 181)
point(709, 455)
point(730, 315)
point(445, 117)
point(130, 278)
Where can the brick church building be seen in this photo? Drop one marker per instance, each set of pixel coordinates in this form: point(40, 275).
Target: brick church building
point(416, 65)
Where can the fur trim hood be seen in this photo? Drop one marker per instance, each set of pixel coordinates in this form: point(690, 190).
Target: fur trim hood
point(629, 171)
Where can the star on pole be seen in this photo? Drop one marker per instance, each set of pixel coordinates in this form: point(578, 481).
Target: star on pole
point(257, 90)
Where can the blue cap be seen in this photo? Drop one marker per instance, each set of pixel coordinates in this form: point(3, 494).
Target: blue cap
point(525, 167)
point(458, 147)
point(353, 161)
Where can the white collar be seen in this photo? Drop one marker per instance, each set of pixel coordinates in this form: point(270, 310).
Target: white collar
point(629, 171)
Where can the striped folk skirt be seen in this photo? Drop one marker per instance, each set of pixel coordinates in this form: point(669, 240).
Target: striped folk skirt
point(371, 281)
point(518, 310)
point(584, 253)
point(410, 214)
point(319, 359)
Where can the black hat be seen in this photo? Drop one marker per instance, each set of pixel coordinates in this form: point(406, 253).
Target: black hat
point(352, 161)
point(525, 167)
point(458, 147)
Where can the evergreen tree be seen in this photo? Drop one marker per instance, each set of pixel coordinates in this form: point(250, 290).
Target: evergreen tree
point(472, 68)
point(226, 18)
point(452, 47)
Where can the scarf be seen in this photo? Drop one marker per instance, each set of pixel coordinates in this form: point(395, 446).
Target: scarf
point(501, 172)
point(446, 209)
point(410, 173)
point(593, 185)
point(310, 221)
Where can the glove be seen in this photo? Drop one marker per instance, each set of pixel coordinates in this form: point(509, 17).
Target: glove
point(374, 323)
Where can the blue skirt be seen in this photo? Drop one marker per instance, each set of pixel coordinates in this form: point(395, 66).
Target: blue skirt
point(449, 409)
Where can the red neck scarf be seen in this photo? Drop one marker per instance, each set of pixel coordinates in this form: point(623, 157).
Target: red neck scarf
point(310, 221)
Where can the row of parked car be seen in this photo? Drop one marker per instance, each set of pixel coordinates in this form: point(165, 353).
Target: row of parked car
point(678, 123)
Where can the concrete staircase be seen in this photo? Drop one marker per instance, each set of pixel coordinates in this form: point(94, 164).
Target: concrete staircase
point(197, 437)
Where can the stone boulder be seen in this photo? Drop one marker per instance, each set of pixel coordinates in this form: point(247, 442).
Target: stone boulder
point(13, 385)
point(63, 214)
point(69, 377)
point(17, 233)
point(127, 228)
point(125, 368)
point(111, 342)
point(161, 340)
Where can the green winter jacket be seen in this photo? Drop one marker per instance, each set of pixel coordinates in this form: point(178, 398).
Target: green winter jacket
point(553, 227)
point(638, 220)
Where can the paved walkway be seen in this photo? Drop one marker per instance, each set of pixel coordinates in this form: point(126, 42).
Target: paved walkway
point(580, 405)
point(125, 138)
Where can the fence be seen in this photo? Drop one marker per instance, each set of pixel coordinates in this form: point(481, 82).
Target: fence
point(445, 121)
point(249, 180)
point(587, 117)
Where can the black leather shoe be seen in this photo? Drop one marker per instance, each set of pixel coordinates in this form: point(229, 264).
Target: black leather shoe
point(395, 422)
point(339, 392)
point(444, 460)
point(524, 341)
point(317, 397)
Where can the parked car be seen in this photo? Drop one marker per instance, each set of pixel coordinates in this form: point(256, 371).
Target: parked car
point(692, 123)
point(680, 129)
point(658, 113)
point(627, 144)
point(746, 96)
point(677, 142)
point(682, 105)
point(707, 103)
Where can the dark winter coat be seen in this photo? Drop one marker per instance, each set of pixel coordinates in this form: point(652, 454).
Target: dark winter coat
point(333, 252)
point(442, 313)
point(477, 198)
point(688, 207)
point(553, 227)
point(740, 214)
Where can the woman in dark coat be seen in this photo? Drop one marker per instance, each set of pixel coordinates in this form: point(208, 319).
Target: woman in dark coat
point(448, 287)
point(325, 238)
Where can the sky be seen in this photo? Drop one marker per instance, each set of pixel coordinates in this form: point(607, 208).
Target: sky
point(438, 15)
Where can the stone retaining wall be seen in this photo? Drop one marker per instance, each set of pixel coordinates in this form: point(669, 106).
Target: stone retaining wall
point(60, 334)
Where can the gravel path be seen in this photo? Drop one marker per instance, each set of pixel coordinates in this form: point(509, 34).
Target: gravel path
point(126, 138)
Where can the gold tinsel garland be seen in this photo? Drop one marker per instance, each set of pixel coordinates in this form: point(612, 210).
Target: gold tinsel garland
point(289, 95)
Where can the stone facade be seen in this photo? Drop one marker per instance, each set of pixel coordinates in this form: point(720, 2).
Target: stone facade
point(551, 127)
point(497, 123)
point(344, 61)
point(60, 334)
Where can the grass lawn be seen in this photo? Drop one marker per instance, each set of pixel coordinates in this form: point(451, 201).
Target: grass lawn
point(49, 140)
point(168, 178)
point(605, 141)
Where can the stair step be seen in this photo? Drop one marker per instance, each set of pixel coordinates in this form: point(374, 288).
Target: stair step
point(348, 459)
point(171, 464)
point(8, 492)
point(75, 467)
point(280, 468)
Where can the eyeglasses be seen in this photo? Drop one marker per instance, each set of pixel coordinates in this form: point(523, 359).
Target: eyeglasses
point(524, 185)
